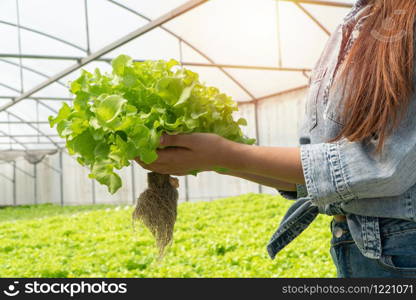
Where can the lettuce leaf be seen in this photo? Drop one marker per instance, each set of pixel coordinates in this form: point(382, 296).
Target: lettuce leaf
point(119, 116)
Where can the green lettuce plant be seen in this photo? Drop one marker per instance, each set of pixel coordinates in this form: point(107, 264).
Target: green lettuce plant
point(119, 116)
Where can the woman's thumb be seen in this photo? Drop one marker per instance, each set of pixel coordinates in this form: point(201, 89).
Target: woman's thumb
point(179, 140)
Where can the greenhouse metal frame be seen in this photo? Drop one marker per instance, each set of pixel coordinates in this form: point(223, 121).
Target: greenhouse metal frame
point(53, 143)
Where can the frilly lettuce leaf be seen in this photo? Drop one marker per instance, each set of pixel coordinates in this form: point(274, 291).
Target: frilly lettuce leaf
point(117, 117)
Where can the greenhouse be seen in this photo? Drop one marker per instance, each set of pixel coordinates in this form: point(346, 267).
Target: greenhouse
point(259, 53)
point(196, 138)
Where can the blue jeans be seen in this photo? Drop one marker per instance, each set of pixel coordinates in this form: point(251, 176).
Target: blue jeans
point(398, 260)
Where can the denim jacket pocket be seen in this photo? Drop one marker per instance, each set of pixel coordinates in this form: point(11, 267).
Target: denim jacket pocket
point(315, 88)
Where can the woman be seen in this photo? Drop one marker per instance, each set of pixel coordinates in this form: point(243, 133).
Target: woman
point(357, 157)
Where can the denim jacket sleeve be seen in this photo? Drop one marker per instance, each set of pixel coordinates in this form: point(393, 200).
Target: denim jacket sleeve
point(342, 171)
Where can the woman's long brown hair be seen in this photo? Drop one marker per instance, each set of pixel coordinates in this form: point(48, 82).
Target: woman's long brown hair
point(379, 73)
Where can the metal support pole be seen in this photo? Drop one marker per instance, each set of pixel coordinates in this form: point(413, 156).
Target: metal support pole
point(87, 28)
point(180, 51)
point(186, 189)
point(25, 122)
point(315, 20)
point(61, 177)
point(93, 191)
point(37, 118)
point(35, 178)
point(257, 130)
point(181, 61)
point(273, 95)
point(12, 138)
point(8, 134)
point(40, 98)
point(21, 170)
point(34, 127)
point(43, 34)
point(279, 42)
point(7, 178)
point(27, 143)
point(14, 184)
point(19, 43)
point(24, 67)
point(28, 135)
point(133, 183)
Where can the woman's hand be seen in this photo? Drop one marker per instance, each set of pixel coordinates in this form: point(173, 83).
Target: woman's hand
point(209, 152)
point(189, 152)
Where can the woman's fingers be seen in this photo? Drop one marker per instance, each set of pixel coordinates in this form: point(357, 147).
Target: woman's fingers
point(150, 167)
point(163, 156)
point(163, 164)
point(173, 161)
point(180, 140)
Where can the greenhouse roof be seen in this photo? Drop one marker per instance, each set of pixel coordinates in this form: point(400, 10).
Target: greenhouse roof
point(249, 49)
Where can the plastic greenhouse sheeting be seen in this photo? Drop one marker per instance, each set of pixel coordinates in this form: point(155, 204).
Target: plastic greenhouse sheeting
point(249, 49)
point(258, 51)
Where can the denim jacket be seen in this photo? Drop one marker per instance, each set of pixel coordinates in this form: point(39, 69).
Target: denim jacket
point(348, 178)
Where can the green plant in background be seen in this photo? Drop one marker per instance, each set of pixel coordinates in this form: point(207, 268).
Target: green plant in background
point(91, 241)
point(117, 117)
